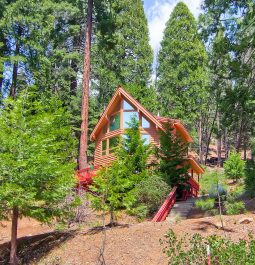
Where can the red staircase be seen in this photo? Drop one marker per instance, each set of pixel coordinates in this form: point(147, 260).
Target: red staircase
point(171, 199)
point(166, 206)
point(85, 176)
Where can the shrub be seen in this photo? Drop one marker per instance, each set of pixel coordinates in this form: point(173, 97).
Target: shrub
point(250, 178)
point(233, 208)
point(234, 166)
point(152, 192)
point(206, 204)
point(209, 181)
point(223, 251)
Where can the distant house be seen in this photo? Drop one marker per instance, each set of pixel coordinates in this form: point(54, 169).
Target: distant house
point(115, 119)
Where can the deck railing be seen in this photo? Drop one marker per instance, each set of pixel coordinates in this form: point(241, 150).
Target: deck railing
point(166, 206)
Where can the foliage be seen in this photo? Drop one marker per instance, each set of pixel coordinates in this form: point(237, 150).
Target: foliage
point(234, 204)
point(182, 61)
point(171, 155)
point(234, 166)
point(206, 204)
point(233, 208)
point(114, 184)
point(250, 178)
point(209, 181)
point(36, 153)
point(194, 250)
point(151, 192)
point(121, 53)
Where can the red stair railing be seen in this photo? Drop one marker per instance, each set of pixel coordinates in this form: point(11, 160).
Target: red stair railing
point(166, 207)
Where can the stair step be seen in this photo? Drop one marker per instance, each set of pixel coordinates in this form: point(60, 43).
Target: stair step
point(181, 209)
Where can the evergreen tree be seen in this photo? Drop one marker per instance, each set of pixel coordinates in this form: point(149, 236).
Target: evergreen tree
point(171, 157)
point(121, 51)
point(115, 184)
point(182, 61)
point(36, 153)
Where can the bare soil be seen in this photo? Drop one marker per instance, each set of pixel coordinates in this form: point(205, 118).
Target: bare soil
point(135, 243)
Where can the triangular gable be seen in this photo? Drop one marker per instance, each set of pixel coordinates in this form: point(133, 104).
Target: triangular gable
point(121, 93)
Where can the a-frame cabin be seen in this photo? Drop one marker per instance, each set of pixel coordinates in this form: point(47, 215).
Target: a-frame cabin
point(114, 120)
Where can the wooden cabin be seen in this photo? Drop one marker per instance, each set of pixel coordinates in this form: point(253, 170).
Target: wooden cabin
point(115, 119)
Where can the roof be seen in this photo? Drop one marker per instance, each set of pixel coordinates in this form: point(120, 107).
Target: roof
point(158, 121)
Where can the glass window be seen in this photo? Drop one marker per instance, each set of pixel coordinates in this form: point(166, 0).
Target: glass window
point(146, 139)
point(113, 142)
point(145, 123)
point(127, 106)
point(127, 116)
point(104, 147)
point(115, 122)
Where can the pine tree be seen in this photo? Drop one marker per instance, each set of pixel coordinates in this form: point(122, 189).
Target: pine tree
point(36, 152)
point(121, 52)
point(114, 184)
point(171, 159)
point(181, 70)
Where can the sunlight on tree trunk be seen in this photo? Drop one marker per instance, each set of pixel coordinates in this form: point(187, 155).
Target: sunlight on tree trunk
point(83, 160)
point(13, 254)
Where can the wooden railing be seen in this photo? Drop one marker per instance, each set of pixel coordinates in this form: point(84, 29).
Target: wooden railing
point(166, 206)
point(194, 186)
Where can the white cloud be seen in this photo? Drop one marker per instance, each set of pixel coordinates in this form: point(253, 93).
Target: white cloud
point(159, 13)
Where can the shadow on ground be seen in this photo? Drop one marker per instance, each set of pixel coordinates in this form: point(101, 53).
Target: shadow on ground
point(33, 248)
point(205, 225)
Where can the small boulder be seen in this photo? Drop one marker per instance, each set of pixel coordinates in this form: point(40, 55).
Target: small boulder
point(245, 220)
point(219, 225)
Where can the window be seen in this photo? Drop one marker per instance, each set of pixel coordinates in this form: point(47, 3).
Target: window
point(146, 139)
point(127, 116)
point(145, 123)
point(115, 122)
point(127, 106)
point(104, 147)
point(113, 142)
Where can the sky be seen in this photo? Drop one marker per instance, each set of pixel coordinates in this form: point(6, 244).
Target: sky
point(158, 12)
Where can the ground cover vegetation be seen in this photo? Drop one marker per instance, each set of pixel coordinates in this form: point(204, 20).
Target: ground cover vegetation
point(204, 77)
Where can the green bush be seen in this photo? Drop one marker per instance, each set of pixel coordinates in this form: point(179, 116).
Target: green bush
point(193, 251)
point(210, 179)
point(205, 204)
point(152, 192)
point(234, 166)
point(233, 208)
point(250, 178)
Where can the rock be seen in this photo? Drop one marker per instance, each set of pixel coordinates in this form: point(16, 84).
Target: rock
point(245, 220)
point(219, 225)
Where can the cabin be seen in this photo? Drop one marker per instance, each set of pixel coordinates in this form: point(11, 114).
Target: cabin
point(112, 125)
point(115, 119)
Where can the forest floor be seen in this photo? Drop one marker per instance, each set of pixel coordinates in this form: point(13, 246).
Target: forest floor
point(132, 243)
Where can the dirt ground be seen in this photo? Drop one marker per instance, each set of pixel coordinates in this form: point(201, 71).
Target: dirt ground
point(136, 243)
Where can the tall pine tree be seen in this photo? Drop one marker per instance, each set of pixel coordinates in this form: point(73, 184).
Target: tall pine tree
point(121, 52)
point(181, 70)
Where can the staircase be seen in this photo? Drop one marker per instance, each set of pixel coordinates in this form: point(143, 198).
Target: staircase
point(181, 209)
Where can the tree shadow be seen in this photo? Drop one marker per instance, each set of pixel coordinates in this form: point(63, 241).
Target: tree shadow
point(205, 225)
point(33, 248)
point(98, 229)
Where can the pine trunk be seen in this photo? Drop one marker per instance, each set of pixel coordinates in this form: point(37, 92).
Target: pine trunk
point(13, 89)
point(200, 141)
point(85, 93)
point(219, 142)
point(13, 254)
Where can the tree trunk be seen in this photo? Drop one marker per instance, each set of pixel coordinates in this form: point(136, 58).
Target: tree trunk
point(13, 254)
point(200, 141)
point(219, 142)
point(73, 86)
point(85, 91)
point(13, 89)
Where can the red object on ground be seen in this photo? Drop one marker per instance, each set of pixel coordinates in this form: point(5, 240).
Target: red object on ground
point(166, 206)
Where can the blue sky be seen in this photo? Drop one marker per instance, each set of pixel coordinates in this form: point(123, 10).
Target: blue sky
point(158, 12)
